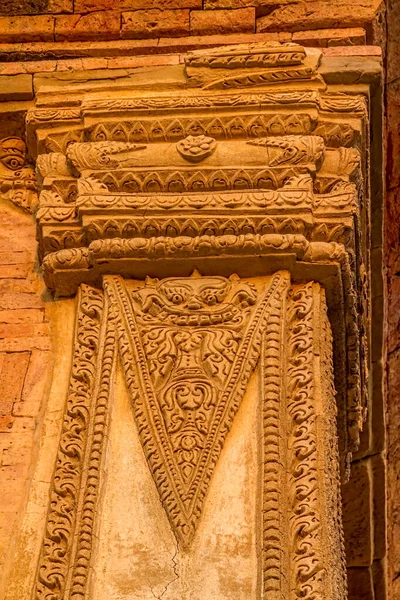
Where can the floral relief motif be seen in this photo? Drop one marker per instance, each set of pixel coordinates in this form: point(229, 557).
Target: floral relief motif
point(308, 575)
point(196, 148)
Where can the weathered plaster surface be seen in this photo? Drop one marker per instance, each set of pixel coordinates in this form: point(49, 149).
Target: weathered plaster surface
point(222, 563)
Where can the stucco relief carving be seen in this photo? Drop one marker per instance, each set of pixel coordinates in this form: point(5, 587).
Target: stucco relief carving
point(196, 148)
point(195, 342)
point(283, 163)
point(247, 56)
point(252, 65)
point(86, 409)
point(291, 149)
point(101, 155)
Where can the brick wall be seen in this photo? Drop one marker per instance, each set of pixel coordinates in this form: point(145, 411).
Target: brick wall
point(74, 20)
point(392, 262)
point(24, 361)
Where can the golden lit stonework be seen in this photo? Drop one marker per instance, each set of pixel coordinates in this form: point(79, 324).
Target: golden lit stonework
point(210, 231)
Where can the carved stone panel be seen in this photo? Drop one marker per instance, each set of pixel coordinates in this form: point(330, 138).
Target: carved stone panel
point(188, 347)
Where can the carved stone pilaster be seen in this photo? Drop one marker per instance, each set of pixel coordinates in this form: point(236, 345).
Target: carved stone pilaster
point(188, 347)
point(252, 167)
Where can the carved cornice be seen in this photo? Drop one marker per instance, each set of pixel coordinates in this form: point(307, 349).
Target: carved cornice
point(248, 56)
point(250, 65)
point(186, 246)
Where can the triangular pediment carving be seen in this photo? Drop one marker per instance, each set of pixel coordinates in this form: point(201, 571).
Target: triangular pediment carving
point(188, 347)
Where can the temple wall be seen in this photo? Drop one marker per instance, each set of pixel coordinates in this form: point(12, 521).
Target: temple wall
point(158, 38)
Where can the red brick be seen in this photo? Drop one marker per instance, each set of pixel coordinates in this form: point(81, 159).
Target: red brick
point(103, 25)
point(210, 22)
point(165, 4)
point(209, 41)
point(17, 221)
point(14, 271)
point(323, 38)
point(13, 473)
point(16, 453)
point(303, 16)
point(36, 377)
point(60, 6)
point(7, 506)
point(9, 300)
point(13, 372)
point(26, 244)
point(357, 510)
point(12, 229)
point(87, 6)
point(213, 4)
point(16, 258)
point(26, 409)
point(23, 425)
point(349, 51)
point(155, 23)
point(8, 486)
point(16, 286)
point(37, 7)
point(360, 583)
point(12, 330)
point(6, 424)
point(129, 62)
point(27, 29)
point(21, 344)
point(263, 6)
point(6, 407)
point(30, 315)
